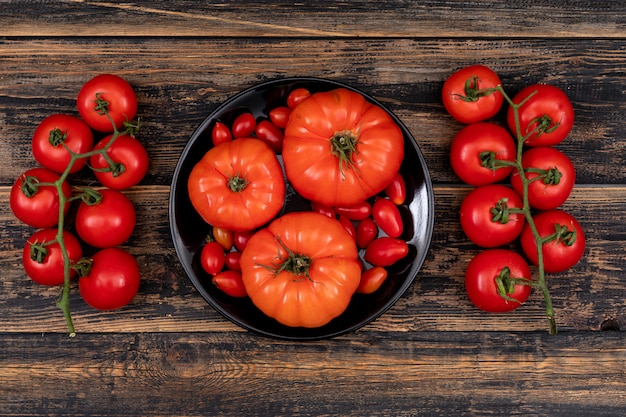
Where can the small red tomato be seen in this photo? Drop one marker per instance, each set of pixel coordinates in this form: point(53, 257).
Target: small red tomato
point(224, 237)
point(220, 133)
point(372, 279)
point(322, 209)
point(230, 283)
point(44, 264)
point(243, 125)
point(105, 100)
point(280, 116)
point(396, 190)
point(212, 257)
point(385, 251)
point(270, 134)
point(130, 162)
point(240, 239)
point(297, 96)
point(357, 212)
point(387, 216)
point(232, 261)
point(347, 224)
point(366, 232)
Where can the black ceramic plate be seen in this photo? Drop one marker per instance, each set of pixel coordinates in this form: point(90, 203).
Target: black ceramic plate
point(189, 230)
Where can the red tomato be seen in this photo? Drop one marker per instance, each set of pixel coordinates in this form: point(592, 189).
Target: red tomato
point(552, 186)
point(224, 237)
point(486, 217)
point(35, 204)
point(322, 209)
point(112, 281)
point(545, 117)
point(495, 268)
point(212, 257)
point(130, 162)
point(302, 269)
point(55, 135)
point(243, 125)
point(385, 251)
point(347, 224)
point(105, 96)
point(241, 239)
point(470, 94)
point(476, 150)
point(270, 134)
point(279, 116)
point(372, 279)
point(230, 283)
point(107, 221)
point(366, 232)
point(232, 261)
point(396, 190)
point(564, 240)
point(220, 133)
point(43, 262)
point(238, 185)
point(339, 149)
point(356, 212)
point(296, 97)
point(387, 216)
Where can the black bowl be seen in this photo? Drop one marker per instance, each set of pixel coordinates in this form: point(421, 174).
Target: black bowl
point(189, 230)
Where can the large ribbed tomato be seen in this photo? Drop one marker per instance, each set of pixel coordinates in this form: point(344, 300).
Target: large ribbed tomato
point(302, 269)
point(339, 149)
point(238, 185)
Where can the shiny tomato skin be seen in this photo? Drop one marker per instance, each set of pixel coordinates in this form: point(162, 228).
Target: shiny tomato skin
point(396, 190)
point(544, 196)
point(270, 134)
point(54, 134)
point(385, 251)
point(356, 212)
point(230, 282)
point(129, 154)
point(348, 225)
point(212, 257)
point(482, 106)
point(480, 280)
point(110, 222)
point(243, 125)
point(387, 216)
point(371, 280)
point(366, 232)
point(470, 142)
point(224, 237)
point(545, 100)
point(42, 209)
point(51, 270)
point(322, 209)
point(247, 162)
point(310, 149)
point(296, 97)
point(220, 133)
point(477, 219)
point(241, 239)
point(121, 98)
point(232, 261)
point(318, 291)
point(279, 116)
point(113, 280)
point(557, 255)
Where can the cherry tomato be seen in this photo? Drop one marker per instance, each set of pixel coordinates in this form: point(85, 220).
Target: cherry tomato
point(55, 135)
point(107, 94)
point(279, 116)
point(356, 212)
point(396, 190)
point(495, 268)
point(270, 134)
point(130, 162)
point(44, 263)
point(112, 280)
point(546, 117)
point(322, 209)
point(550, 188)
point(108, 221)
point(232, 261)
point(486, 218)
point(38, 205)
point(240, 239)
point(224, 237)
point(566, 244)
point(385, 251)
point(387, 216)
point(469, 94)
point(243, 125)
point(476, 150)
point(366, 232)
point(372, 279)
point(296, 97)
point(212, 257)
point(220, 133)
point(347, 224)
point(230, 282)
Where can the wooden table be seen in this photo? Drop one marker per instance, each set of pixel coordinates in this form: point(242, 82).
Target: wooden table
point(170, 354)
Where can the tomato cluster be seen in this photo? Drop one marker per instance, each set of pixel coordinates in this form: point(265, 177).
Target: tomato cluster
point(540, 179)
point(102, 138)
point(340, 153)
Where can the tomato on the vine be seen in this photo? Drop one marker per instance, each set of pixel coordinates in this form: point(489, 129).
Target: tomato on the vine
point(340, 149)
point(470, 95)
point(35, 204)
point(476, 152)
point(546, 116)
point(57, 134)
point(130, 162)
point(106, 100)
point(43, 261)
point(491, 274)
